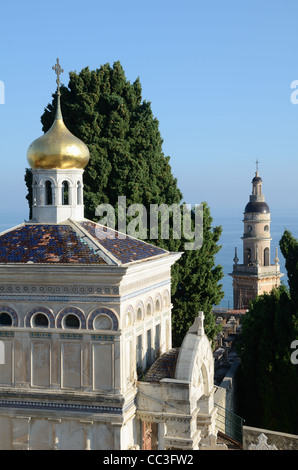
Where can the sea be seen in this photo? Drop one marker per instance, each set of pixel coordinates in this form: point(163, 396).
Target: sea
point(232, 231)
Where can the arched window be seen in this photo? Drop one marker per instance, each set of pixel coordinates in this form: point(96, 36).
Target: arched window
point(48, 193)
point(266, 228)
point(103, 322)
point(247, 256)
point(65, 193)
point(139, 314)
point(266, 257)
point(79, 193)
point(148, 309)
point(71, 321)
point(5, 319)
point(40, 320)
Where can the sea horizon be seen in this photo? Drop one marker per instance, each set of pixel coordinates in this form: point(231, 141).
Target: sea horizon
point(232, 231)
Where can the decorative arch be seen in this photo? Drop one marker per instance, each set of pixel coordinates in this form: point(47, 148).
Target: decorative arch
point(65, 178)
point(65, 193)
point(71, 310)
point(247, 256)
point(149, 306)
point(48, 192)
point(11, 312)
point(79, 187)
point(198, 356)
point(43, 180)
point(157, 303)
point(103, 311)
point(166, 298)
point(43, 310)
point(140, 311)
point(129, 316)
point(266, 256)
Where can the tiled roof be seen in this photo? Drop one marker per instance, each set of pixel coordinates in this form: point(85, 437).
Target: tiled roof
point(68, 244)
point(123, 247)
point(43, 243)
point(164, 367)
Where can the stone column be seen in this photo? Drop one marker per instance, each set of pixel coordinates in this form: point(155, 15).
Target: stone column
point(116, 429)
point(87, 431)
point(20, 433)
point(55, 433)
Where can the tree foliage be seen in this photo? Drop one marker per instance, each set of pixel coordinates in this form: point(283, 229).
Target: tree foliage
point(106, 111)
point(269, 379)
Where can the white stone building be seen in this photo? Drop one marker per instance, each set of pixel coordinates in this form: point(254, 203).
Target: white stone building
point(83, 311)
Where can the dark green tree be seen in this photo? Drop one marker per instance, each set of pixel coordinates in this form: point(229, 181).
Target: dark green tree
point(269, 379)
point(106, 111)
point(198, 282)
point(289, 249)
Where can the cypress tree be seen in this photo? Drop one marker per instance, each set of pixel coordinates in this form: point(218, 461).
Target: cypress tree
point(269, 379)
point(106, 111)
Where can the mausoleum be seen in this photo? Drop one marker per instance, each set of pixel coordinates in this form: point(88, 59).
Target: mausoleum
point(85, 311)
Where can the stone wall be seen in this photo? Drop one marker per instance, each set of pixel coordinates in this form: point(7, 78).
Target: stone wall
point(280, 440)
point(225, 394)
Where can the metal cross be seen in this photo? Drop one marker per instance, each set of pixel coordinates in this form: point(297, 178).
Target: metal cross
point(58, 70)
point(257, 165)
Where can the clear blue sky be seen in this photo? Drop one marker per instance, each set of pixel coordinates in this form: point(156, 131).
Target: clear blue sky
point(217, 73)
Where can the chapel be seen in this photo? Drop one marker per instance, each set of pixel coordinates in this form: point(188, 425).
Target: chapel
point(85, 313)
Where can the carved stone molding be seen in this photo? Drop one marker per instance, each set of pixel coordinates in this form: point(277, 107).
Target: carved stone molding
point(59, 289)
point(262, 444)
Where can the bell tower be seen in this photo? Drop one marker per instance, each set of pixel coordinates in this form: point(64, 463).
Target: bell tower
point(256, 275)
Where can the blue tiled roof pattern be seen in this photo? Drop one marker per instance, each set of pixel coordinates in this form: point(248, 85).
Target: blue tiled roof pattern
point(123, 247)
point(45, 244)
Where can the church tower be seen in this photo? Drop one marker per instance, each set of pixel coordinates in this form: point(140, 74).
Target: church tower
point(256, 275)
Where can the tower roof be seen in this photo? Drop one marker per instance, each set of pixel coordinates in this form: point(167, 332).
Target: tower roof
point(257, 202)
point(257, 206)
point(257, 178)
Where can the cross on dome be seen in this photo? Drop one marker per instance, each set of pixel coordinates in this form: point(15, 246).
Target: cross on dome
point(58, 148)
point(58, 70)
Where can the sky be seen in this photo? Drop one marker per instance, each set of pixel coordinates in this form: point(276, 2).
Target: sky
point(218, 75)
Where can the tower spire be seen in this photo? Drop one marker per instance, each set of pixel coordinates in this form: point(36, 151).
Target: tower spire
point(58, 71)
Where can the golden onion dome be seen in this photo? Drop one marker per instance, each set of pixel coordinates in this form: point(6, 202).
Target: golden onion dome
point(58, 148)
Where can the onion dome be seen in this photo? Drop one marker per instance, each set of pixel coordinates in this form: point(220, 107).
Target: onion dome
point(58, 148)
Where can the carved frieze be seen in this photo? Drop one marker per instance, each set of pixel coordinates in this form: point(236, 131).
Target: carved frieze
point(59, 289)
